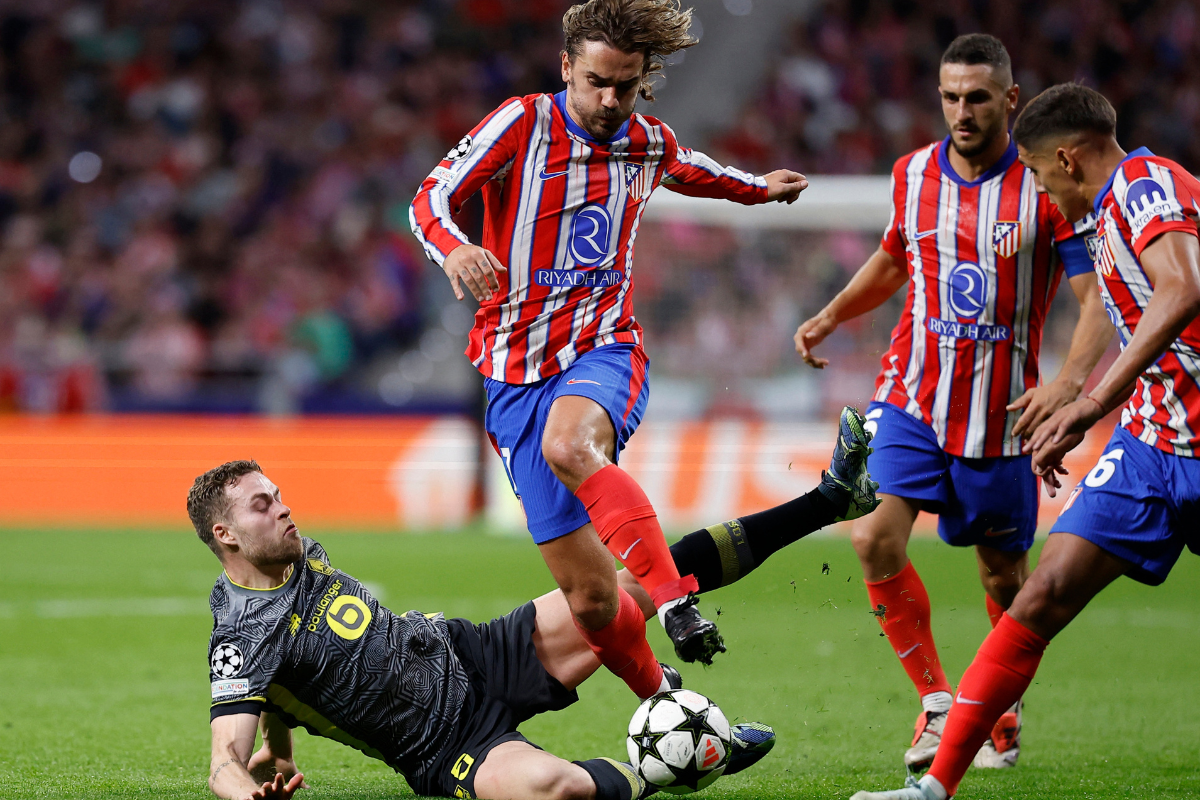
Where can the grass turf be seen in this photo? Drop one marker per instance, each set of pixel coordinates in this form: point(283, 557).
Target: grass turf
point(103, 661)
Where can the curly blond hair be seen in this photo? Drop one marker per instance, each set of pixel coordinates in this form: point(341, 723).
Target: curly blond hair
point(657, 28)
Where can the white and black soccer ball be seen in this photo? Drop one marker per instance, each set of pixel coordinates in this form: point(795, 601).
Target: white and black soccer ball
point(679, 741)
point(460, 150)
point(226, 660)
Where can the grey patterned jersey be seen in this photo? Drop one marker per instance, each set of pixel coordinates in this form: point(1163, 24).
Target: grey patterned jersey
point(322, 653)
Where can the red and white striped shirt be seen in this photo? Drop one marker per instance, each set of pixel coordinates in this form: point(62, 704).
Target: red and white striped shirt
point(561, 212)
point(1146, 197)
point(985, 258)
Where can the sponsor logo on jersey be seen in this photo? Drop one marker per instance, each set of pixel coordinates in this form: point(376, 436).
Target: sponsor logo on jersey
point(222, 690)
point(1006, 238)
point(590, 228)
point(1145, 199)
point(461, 150)
point(317, 565)
point(441, 174)
point(591, 278)
point(968, 330)
point(348, 617)
point(323, 605)
point(968, 290)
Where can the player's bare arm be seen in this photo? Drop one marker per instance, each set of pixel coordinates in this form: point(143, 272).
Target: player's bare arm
point(1172, 263)
point(876, 281)
point(229, 776)
point(1093, 333)
point(475, 268)
point(275, 756)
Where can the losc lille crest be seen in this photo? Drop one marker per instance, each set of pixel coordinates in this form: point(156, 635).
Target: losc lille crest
point(1006, 238)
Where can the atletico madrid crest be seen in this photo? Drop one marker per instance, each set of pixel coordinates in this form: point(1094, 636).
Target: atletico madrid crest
point(636, 180)
point(1006, 238)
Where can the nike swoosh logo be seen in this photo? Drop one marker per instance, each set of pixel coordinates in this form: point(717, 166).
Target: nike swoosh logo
point(548, 175)
point(962, 699)
point(597, 383)
point(908, 652)
point(625, 555)
point(1001, 532)
point(922, 234)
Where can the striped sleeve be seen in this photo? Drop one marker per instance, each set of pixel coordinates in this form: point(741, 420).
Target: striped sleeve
point(485, 153)
point(1154, 199)
point(893, 235)
point(692, 173)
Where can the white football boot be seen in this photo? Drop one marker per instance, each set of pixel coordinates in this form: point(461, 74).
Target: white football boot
point(926, 738)
point(1003, 747)
point(928, 788)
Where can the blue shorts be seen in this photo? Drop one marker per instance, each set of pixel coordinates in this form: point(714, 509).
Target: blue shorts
point(1138, 503)
point(614, 376)
point(979, 501)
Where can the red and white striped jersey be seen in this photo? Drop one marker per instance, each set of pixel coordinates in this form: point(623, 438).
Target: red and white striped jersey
point(1146, 197)
point(561, 212)
point(985, 258)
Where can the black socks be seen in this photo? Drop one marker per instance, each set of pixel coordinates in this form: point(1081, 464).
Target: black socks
point(614, 780)
point(729, 551)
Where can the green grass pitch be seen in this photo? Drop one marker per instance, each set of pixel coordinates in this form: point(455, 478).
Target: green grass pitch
point(103, 674)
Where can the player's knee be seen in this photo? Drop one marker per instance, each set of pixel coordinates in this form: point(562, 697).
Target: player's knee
point(1043, 603)
point(877, 546)
point(567, 458)
point(558, 780)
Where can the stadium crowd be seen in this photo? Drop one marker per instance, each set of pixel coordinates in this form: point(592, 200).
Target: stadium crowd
point(202, 204)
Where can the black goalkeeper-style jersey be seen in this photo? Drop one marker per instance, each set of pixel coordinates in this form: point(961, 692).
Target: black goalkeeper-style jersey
point(322, 653)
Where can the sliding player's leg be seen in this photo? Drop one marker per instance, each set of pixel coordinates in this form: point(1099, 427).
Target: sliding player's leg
point(1002, 573)
point(597, 405)
point(517, 770)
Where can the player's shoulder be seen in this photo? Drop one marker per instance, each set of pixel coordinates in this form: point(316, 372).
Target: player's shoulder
point(924, 155)
point(1143, 177)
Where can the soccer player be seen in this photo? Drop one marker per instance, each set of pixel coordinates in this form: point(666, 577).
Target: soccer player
point(982, 252)
point(297, 642)
point(1136, 509)
point(565, 179)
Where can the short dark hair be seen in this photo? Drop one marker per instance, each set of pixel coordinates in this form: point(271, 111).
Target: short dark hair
point(207, 501)
point(1064, 111)
point(656, 28)
point(981, 48)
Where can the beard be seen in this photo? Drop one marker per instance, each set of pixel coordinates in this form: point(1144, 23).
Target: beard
point(985, 141)
point(600, 124)
point(273, 553)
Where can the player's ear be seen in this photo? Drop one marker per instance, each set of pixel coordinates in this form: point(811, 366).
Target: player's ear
point(1013, 96)
point(566, 67)
point(223, 533)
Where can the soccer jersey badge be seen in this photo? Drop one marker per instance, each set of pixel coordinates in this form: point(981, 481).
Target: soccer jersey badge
point(636, 180)
point(1006, 238)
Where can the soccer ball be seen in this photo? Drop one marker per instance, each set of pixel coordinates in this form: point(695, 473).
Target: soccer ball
point(226, 660)
point(679, 741)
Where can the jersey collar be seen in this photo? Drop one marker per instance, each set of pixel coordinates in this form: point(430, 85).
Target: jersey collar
point(237, 588)
point(560, 100)
point(1141, 152)
point(999, 168)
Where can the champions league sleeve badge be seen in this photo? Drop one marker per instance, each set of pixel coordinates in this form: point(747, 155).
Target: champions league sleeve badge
point(461, 150)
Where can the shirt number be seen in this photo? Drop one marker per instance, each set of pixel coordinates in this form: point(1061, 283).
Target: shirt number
point(1104, 468)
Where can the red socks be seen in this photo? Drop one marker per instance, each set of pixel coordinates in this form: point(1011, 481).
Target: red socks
point(629, 528)
point(994, 610)
point(999, 675)
point(622, 647)
point(904, 617)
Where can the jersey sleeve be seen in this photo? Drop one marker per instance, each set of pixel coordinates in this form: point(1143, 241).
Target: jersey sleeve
point(240, 664)
point(692, 173)
point(1075, 242)
point(483, 154)
point(1154, 199)
point(893, 242)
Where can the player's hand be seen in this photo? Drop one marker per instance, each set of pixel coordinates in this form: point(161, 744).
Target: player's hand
point(278, 788)
point(476, 269)
point(1049, 476)
point(265, 765)
point(810, 334)
point(784, 186)
point(1039, 403)
point(1060, 434)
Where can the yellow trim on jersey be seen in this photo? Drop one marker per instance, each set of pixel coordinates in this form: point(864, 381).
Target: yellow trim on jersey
point(239, 700)
point(291, 569)
point(311, 718)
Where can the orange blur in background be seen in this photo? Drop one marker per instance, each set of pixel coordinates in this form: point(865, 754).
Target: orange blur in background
point(398, 473)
